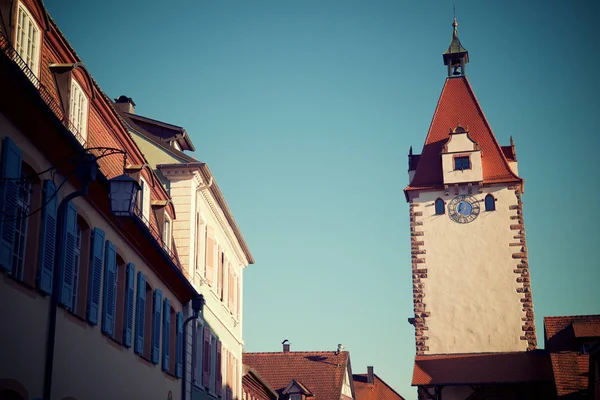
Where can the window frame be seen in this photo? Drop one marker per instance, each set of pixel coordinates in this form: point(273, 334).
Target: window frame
point(463, 157)
point(145, 199)
point(19, 251)
point(36, 57)
point(80, 125)
point(493, 202)
point(443, 203)
point(167, 232)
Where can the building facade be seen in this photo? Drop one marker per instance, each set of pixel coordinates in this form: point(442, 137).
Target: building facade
point(470, 271)
point(92, 301)
point(211, 249)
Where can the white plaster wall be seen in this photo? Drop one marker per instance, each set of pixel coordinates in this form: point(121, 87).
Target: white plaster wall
point(460, 142)
point(475, 174)
point(88, 365)
point(470, 289)
point(514, 166)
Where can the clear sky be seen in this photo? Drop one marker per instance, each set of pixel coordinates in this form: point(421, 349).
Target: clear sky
point(305, 111)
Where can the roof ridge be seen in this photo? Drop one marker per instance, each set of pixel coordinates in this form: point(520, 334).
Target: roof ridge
point(571, 316)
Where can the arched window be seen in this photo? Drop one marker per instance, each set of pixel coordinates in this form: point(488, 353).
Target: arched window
point(440, 208)
point(490, 203)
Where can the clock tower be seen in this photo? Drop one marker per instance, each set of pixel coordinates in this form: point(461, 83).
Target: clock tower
point(471, 286)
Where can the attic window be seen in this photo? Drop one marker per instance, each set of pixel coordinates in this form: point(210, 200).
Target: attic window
point(461, 163)
point(295, 396)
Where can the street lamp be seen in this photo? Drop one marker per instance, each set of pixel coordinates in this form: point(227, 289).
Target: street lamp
point(197, 308)
point(123, 195)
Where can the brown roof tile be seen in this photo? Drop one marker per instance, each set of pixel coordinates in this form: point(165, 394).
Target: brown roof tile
point(378, 390)
point(322, 372)
point(482, 368)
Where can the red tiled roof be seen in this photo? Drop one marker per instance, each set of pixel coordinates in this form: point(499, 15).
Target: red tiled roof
point(482, 368)
point(562, 339)
point(322, 372)
point(378, 390)
point(458, 105)
point(560, 332)
point(570, 372)
point(586, 329)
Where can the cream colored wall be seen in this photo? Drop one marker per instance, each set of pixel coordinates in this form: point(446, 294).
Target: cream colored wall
point(514, 166)
point(470, 289)
point(88, 365)
point(475, 174)
point(459, 142)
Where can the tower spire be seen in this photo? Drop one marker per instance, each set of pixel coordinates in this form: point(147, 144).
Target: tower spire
point(456, 56)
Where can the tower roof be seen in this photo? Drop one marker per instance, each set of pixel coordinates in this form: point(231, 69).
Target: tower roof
point(458, 105)
point(455, 45)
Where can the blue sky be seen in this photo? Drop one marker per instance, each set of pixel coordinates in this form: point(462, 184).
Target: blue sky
point(305, 111)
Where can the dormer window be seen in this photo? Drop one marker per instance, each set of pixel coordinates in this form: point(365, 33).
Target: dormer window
point(78, 111)
point(295, 396)
point(144, 201)
point(167, 232)
point(462, 163)
point(28, 40)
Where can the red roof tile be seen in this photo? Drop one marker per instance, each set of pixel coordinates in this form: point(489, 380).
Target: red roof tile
point(560, 332)
point(322, 372)
point(482, 368)
point(378, 390)
point(570, 372)
point(458, 105)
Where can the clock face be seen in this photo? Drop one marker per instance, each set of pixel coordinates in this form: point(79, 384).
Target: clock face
point(463, 209)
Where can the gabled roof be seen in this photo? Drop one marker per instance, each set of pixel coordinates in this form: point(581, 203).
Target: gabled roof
point(458, 105)
point(482, 368)
point(163, 131)
point(321, 372)
point(378, 390)
point(562, 338)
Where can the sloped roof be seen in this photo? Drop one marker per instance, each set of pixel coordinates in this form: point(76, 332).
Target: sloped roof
point(321, 372)
point(569, 366)
point(482, 368)
point(378, 390)
point(458, 105)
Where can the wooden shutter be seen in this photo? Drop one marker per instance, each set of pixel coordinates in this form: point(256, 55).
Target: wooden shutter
point(219, 368)
point(210, 258)
point(10, 171)
point(129, 299)
point(179, 346)
point(140, 311)
point(95, 276)
point(109, 294)
point(238, 290)
point(221, 274)
point(231, 290)
point(47, 237)
point(156, 326)
point(206, 358)
point(166, 353)
point(67, 257)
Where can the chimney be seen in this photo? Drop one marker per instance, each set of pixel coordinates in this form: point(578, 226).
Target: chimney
point(370, 375)
point(124, 103)
point(286, 346)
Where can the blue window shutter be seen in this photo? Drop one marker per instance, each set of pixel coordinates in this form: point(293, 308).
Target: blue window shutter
point(179, 346)
point(129, 299)
point(109, 293)
point(9, 190)
point(67, 257)
point(156, 325)
point(140, 314)
point(95, 276)
point(166, 357)
point(47, 237)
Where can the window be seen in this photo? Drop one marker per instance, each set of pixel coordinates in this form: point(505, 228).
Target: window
point(295, 396)
point(121, 290)
point(440, 207)
point(490, 203)
point(20, 238)
point(148, 312)
point(28, 39)
point(76, 267)
point(144, 201)
point(461, 163)
point(78, 111)
point(167, 233)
